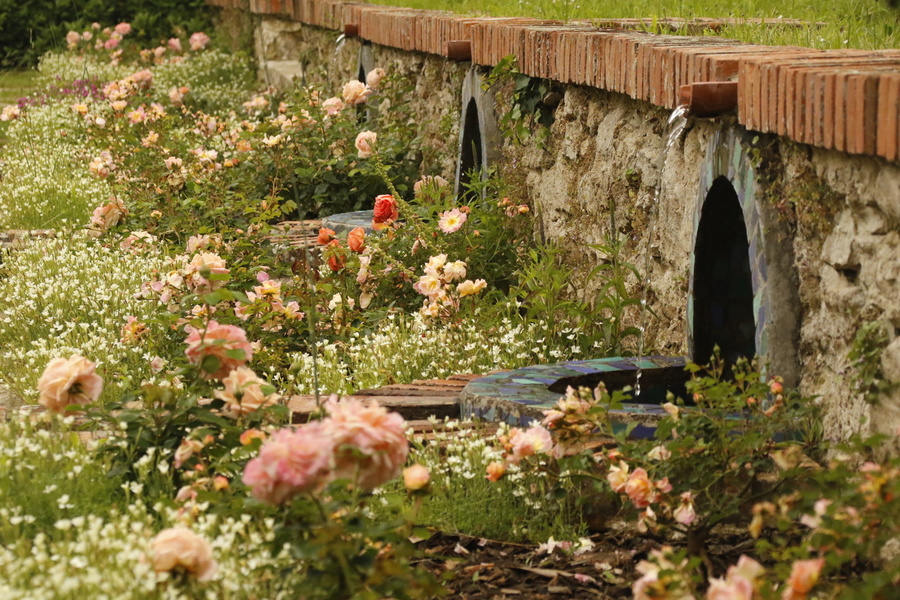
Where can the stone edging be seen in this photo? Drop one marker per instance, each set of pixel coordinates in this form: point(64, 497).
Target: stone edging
point(847, 100)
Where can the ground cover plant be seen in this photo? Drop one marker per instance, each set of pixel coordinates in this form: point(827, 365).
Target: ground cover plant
point(162, 336)
point(868, 24)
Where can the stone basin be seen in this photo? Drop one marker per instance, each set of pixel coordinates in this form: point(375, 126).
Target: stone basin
point(518, 397)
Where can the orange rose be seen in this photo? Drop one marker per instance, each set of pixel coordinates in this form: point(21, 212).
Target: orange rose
point(335, 259)
point(356, 239)
point(325, 236)
point(385, 210)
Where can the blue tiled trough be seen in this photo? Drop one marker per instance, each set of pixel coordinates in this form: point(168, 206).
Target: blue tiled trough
point(349, 220)
point(518, 397)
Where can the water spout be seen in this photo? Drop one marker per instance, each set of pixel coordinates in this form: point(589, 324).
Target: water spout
point(677, 123)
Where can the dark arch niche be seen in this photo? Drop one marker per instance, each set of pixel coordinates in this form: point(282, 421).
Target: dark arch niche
point(479, 138)
point(723, 286)
point(743, 286)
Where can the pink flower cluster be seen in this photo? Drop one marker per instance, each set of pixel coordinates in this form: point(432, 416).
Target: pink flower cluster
point(364, 444)
point(436, 284)
point(520, 444)
point(106, 216)
point(267, 304)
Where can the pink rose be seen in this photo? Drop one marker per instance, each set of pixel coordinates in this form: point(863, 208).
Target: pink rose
point(244, 393)
point(291, 462)
point(179, 548)
point(217, 350)
point(69, 381)
point(198, 41)
point(451, 220)
point(365, 143)
point(174, 45)
point(72, 39)
point(123, 28)
point(534, 440)
point(370, 442)
point(685, 513)
point(332, 106)
point(416, 477)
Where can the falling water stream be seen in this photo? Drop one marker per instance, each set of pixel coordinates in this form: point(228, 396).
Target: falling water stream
point(677, 123)
point(339, 44)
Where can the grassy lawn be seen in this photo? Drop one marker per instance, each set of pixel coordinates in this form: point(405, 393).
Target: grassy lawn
point(866, 24)
point(15, 84)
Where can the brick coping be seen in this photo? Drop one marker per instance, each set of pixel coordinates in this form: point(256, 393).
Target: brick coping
point(846, 100)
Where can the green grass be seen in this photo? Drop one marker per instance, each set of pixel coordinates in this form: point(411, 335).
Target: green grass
point(16, 84)
point(866, 24)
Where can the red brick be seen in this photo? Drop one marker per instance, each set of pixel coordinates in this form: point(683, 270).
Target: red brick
point(888, 137)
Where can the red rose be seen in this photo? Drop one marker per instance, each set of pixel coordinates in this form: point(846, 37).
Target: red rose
point(325, 236)
point(385, 210)
point(356, 239)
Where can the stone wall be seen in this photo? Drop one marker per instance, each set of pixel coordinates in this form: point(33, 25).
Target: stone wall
point(824, 225)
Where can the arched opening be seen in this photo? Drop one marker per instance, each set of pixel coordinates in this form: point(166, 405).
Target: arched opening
point(471, 153)
point(723, 285)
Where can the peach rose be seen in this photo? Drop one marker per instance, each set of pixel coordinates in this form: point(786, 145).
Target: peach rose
point(365, 143)
point(356, 239)
point(202, 261)
point(374, 77)
point(469, 287)
point(332, 106)
point(416, 477)
point(214, 350)
point(534, 440)
point(385, 211)
point(355, 92)
point(244, 393)
point(370, 442)
point(291, 462)
point(639, 488)
point(69, 381)
point(618, 476)
point(495, 471)
point(803, 578)
point(181, 548)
